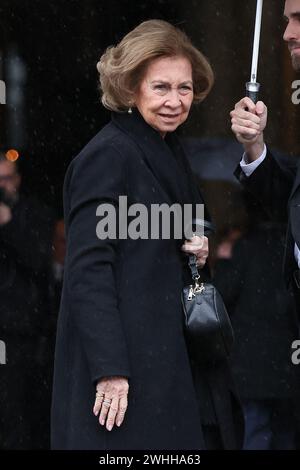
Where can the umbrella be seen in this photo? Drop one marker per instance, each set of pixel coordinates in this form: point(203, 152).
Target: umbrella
point(252, 87)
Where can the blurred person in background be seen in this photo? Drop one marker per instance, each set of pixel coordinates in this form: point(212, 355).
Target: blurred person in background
point(25, 249)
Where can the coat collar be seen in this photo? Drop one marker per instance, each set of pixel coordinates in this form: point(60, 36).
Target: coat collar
point(165, 157)
point(295, 186)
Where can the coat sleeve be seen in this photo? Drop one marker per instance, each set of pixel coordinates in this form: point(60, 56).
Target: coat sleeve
point(270, 184)
point(98, 175)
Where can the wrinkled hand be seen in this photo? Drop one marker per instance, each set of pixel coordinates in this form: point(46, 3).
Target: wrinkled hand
point(111, 401)
point(248, 121)
point(197, 246)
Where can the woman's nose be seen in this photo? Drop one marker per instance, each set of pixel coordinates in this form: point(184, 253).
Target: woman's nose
point(173, 98)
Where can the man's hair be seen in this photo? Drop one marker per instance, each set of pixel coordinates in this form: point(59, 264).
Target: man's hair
point(122, 67)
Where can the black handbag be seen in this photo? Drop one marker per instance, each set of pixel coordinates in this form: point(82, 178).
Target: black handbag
point(208, 328)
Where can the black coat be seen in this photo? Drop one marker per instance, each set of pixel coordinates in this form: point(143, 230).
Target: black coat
point(121, 311)
point(276, 185)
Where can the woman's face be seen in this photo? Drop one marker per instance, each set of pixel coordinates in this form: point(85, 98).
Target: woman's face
point(166, 93)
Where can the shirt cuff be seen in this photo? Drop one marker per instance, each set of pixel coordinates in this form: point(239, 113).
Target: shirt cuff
point(249, 168)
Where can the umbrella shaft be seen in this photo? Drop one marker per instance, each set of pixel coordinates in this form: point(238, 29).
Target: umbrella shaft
point(256, 41)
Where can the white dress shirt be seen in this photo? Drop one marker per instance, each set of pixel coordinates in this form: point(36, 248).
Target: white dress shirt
point(248, 169)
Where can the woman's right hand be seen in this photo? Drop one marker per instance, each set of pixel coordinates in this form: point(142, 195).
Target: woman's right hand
point(111, 401)
point(197, 246)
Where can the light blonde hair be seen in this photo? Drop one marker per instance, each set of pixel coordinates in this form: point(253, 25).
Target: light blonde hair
point(122, 67)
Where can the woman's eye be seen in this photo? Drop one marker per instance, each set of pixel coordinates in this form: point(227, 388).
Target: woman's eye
point(186, 88)
point(161, 87)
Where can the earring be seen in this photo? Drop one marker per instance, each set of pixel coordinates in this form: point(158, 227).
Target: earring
point(129, 111)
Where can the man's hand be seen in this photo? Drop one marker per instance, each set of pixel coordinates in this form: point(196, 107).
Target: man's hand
point(111, 401)
point(5, 214)
point(248, 121)
point(197, 246)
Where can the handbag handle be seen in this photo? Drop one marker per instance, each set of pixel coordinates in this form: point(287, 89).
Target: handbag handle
point(193, 267)
point(200, 227)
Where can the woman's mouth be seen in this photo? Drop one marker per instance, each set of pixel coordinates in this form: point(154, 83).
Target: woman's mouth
point(169, 116)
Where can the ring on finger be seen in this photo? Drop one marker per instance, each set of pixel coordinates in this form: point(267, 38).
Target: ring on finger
point(107, 402)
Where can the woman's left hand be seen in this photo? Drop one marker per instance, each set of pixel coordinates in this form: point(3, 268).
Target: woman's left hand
point(197, 246)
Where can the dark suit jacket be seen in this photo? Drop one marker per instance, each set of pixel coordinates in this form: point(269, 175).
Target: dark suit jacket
point(277, 186)
point(262, 315)
point(121, 307)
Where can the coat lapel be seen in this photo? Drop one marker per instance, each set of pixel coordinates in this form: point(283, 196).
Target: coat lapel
point(295, 187)
point(163, 156)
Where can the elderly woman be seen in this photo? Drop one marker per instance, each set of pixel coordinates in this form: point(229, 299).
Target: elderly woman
point(123, 376)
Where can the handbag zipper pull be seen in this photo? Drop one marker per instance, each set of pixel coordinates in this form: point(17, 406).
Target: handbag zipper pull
point(191, 293)
point(199, 288)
